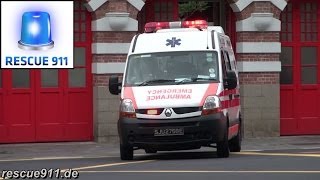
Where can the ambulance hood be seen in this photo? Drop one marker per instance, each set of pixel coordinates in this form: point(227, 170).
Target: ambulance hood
point(191, 95)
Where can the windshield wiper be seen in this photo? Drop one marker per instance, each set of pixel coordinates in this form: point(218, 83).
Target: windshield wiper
point(201, 78)
point(194, 79)
point(156, 81)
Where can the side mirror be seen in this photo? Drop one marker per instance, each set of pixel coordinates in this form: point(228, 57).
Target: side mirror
point(114, 85)
point(231, 81)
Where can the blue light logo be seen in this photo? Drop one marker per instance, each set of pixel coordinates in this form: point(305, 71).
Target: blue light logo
point(36, 31)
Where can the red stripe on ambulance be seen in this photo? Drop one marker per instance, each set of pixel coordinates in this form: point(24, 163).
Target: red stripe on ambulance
point(233, 130)
point(128, 94)
point(211, 91)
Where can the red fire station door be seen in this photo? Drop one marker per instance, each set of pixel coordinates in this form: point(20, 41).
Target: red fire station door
point(50, 104)
point(16, 106)
point(300, 76)
point(46, 105)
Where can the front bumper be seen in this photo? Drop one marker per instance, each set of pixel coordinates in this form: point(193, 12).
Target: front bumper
point(198, 131)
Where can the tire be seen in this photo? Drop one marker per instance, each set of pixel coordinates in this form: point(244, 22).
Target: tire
point(150, 151)
point(235, 143)
point(126, 152)
point(223, 146)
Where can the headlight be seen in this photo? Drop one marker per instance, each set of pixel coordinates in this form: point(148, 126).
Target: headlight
point(211, 102)
point(126, 109)
point(127, 106)
point(211, 105)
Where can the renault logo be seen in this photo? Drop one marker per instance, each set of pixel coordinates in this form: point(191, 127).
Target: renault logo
point(168, 112)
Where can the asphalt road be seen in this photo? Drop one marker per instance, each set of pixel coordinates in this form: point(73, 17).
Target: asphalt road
point(198, 164)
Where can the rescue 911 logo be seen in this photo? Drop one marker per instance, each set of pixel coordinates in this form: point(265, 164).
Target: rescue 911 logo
point(37, 34)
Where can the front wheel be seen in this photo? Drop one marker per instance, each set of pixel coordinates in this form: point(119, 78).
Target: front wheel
point(223, 146)
point(235, 143)
point(126, 152)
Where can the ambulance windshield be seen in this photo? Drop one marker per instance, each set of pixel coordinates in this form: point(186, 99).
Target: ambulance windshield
point(172, 68)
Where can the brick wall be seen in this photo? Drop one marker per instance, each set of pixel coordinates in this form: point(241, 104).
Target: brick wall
point(109, 58)
point(111, 36)
point(258, 36)
point(258, 57)
point(111, 6)
point(260, 91)
point(259, 78)
point(259, 7)
point(106, 105)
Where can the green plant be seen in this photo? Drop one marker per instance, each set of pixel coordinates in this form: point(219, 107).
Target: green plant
point(187, 9)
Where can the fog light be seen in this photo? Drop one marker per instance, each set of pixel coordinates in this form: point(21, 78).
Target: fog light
point(36, 31)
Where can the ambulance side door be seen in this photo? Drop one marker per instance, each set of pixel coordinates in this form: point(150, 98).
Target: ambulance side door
point(229, 93)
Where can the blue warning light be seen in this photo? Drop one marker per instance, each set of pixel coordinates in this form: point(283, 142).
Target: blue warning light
point(36, 31)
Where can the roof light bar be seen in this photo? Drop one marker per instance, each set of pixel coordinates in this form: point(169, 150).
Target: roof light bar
point(200, 24)
point(155, 26)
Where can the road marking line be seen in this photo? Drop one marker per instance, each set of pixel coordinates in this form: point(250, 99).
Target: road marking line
point(310, 152)
point(183, 171)
point(55, 158)
point(278, 154)
point(318, 147)
point(49, 158)
point(253, 150)
point(108, 165)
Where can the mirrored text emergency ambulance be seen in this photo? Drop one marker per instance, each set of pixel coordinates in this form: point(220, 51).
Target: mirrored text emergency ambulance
point(180, 90)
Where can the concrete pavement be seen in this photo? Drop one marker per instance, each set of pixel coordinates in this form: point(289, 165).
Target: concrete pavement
point(93, 149)
point(292, 164)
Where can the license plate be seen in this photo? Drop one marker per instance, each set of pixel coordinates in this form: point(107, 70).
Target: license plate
point(169, 132)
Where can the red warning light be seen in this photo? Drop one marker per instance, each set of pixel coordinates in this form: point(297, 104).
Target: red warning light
point(154, 26)
point(200, 24)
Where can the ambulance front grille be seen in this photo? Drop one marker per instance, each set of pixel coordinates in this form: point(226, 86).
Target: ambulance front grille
point(179, 110)
point(184, 110)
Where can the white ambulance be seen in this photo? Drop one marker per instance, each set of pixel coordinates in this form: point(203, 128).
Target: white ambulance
point(180, 90)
